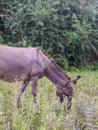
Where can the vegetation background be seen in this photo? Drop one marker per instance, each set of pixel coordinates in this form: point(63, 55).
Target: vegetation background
point(66, 29)
point(48, 113)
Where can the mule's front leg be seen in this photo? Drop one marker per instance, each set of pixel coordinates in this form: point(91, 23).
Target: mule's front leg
point(69, 102)
point(34, 87)
point(22, 89)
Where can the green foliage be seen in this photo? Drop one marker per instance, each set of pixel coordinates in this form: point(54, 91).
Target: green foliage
point(93, 67)
point(66, 29)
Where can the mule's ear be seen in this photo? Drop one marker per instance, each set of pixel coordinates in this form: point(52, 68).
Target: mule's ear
point(74, 80)
point(67, 82)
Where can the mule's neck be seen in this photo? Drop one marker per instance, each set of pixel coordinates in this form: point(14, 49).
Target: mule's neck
point(56, 75)
point(52, 71)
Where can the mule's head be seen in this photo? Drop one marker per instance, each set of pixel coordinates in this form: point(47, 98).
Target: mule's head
point(67, 90)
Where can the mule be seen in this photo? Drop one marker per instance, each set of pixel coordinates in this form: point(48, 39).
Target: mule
point(31, 64)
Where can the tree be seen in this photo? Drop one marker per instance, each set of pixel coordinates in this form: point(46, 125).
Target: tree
point(66, 29)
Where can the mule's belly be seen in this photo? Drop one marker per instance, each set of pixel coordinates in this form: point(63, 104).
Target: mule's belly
point(13, 74)
point(13, 77)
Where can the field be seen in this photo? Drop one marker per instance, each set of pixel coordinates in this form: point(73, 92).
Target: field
point(48, 113)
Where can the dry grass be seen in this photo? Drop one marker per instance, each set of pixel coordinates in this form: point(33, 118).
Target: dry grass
point(48, 114)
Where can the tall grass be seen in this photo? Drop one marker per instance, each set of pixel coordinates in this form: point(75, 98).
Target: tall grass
point(48, 113)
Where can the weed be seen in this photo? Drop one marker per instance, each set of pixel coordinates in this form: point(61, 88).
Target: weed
point(48, 113)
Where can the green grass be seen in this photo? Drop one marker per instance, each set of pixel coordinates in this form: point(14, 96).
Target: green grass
point(48, 113)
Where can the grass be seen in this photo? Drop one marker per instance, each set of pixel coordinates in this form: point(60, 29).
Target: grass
point(48, 113)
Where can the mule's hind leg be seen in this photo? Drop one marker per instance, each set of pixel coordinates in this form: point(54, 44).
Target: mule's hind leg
point(22, 89)
point(34, 87)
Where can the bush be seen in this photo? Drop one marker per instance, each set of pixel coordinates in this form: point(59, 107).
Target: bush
point(66, 30)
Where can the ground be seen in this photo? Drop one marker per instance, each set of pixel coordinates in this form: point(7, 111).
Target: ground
point(48, 113)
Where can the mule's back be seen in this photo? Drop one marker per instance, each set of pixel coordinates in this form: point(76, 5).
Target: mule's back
point(15, 63)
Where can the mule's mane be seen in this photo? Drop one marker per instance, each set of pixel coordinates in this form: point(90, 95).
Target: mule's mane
point(56, 65)
point(49, 57)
